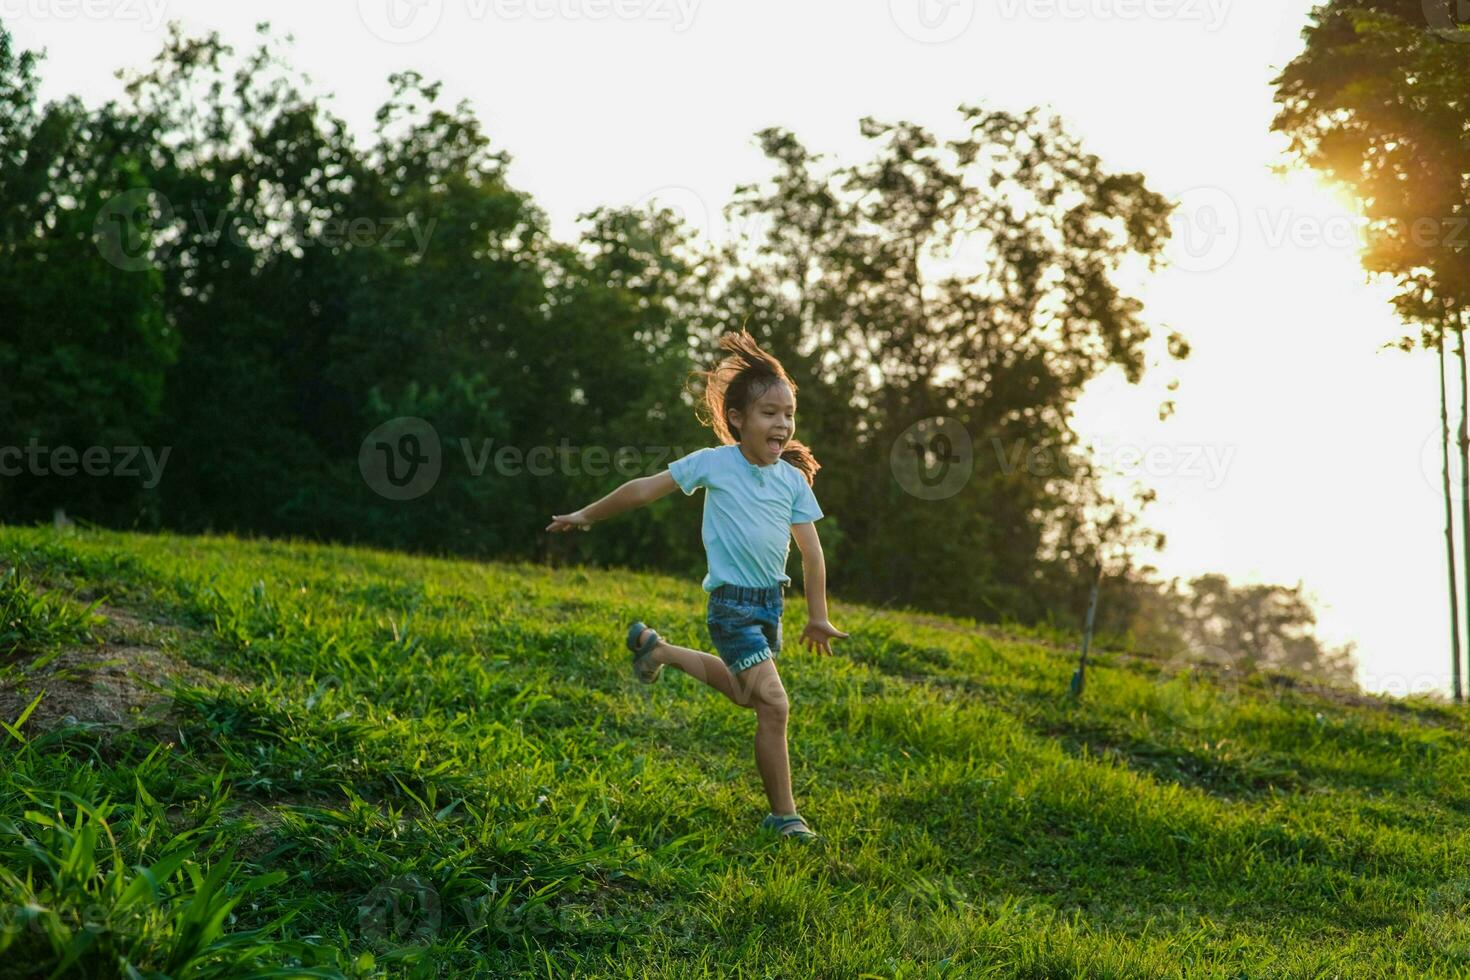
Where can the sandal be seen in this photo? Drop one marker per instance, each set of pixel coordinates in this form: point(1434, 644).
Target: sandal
point(644, 669)
point(788, 826)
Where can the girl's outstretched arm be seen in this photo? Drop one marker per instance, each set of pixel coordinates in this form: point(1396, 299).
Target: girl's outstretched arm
point(819, 632)
point(634, 493)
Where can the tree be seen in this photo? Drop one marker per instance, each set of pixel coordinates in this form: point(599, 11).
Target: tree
point(1258, 627)
point(323, 288)
point(1377, 102)
point(970, 281)
point(84, 346)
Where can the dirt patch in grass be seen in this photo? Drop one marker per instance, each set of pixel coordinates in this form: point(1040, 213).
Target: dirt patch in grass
point(260, 829)
point(120, 683)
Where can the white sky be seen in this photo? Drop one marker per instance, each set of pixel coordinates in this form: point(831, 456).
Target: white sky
point(1324, 466)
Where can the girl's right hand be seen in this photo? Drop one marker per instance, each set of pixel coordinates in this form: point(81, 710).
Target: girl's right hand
point(567, 522)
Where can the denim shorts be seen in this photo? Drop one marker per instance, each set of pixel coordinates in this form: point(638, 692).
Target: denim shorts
point(745, 624)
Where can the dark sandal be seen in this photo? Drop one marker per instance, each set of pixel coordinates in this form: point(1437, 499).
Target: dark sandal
point(644, 669)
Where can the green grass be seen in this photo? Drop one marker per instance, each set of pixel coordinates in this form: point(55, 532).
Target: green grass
point(412, 767)
point(36, 622)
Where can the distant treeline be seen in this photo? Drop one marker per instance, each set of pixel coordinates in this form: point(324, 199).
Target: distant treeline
point(217, 306)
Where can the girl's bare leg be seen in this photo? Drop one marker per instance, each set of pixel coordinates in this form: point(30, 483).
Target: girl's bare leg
point(771, 708)
point(701, 666)
point(757, 687)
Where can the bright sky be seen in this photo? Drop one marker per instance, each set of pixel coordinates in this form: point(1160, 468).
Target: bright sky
point(1299, 450)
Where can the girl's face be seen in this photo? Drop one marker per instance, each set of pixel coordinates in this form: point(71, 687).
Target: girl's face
point(768, 423)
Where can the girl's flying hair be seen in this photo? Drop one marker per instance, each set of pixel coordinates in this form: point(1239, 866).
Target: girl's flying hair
point(745, 374)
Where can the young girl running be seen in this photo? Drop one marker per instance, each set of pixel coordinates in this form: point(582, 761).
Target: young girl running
point(758, 496)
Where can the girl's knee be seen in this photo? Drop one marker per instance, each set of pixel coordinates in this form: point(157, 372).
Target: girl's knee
point(765, 692)
point(773, 710)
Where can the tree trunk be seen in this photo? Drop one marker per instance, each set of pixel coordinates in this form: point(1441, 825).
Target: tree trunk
point(1079, 676)
point(1449, 512)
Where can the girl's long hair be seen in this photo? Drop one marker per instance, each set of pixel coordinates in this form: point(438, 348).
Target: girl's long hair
point(743, 375)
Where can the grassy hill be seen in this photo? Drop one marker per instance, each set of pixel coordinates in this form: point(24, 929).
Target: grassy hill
point(277, 759)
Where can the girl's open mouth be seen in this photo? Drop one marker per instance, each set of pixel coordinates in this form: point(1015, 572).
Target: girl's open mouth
point(774, 445)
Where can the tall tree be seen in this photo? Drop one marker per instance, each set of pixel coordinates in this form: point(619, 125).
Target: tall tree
point(1379, 103)
point(970, 281)
point(324, 287)
point(1449, 521)
point(84, 346)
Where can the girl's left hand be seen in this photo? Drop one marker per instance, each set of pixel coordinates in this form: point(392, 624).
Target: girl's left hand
point(819, 634)
point(566, 522)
